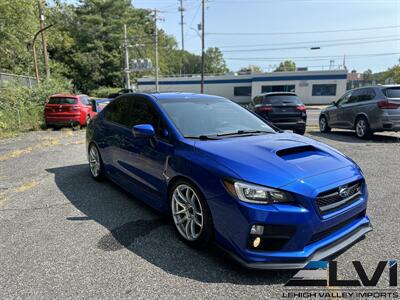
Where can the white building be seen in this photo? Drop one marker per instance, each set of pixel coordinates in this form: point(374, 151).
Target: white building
point(313, 87)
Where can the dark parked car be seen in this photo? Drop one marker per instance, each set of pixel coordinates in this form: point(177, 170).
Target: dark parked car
point(365, 110)
point(119, 93)
point(283, 109)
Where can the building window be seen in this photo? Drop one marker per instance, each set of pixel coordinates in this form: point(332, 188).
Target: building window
point(277, 88)
point(242, 90)
point(324, 90)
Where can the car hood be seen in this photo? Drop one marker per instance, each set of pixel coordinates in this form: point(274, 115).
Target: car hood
point(273, 160)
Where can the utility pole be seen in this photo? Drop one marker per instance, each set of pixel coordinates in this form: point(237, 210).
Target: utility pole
point(35, 63)
point(344, 62)
point(44, 41)
point(202, 46)
point(181, 9)
point(156, 50)
point(126, 69)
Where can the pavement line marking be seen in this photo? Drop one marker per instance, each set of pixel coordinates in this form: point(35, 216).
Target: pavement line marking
point(46, 142)
point(15, 153)
point(2, 199)
point(26, 186)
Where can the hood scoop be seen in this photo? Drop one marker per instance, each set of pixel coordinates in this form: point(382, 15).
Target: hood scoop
point(301, 153)
point(298, 152)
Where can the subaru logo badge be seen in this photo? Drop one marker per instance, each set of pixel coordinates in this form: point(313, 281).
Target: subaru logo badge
point(344, 191)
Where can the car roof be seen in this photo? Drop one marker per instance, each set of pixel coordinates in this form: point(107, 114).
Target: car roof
point(383, 86)
point(278, 93)
point(182, 96)
point(65, 95)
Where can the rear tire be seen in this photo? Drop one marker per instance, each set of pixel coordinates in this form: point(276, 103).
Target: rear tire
point(323, 125)
point(96, 166)
point(190, 215)
point(300, 131)
point(363, 131)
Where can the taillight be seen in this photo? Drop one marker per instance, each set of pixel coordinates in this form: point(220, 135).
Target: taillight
point(300, 108)
point(386, 104)
point(264, 108)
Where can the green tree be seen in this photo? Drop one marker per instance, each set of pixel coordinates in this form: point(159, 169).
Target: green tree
point(367, 75)
point(251, 69)
point(393, 73)
point(18, 23)
point(287, 65)
point(215, 62)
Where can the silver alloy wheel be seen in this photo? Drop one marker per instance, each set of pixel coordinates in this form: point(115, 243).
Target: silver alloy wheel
point(361, 127)
point(322, 124)
point(94, 161)
point(187, 212)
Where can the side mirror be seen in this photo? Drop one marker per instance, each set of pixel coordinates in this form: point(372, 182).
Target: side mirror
point(334, 103)
point(143, 131)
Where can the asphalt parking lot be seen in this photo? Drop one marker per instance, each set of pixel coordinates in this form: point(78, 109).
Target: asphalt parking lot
point(65, 235)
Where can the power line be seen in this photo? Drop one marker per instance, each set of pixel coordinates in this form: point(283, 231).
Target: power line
point(307, 47)
point(307, 42)
point(303, 32)
point(311, 58)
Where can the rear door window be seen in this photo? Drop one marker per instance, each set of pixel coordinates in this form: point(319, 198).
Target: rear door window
point(282, 99)
point(118, 111)
point(368, 95)
point(356, 96)
point(392, 92)
point(62, 100)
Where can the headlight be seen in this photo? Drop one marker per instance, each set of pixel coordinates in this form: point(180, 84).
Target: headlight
point(256, 193)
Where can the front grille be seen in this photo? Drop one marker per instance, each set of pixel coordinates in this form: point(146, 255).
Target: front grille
point(339, 197)
point(323, 234)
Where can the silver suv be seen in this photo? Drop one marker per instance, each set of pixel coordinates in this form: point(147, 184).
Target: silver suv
point(365, 110)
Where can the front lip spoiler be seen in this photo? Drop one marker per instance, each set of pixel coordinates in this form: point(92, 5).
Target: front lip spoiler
point(320, 254)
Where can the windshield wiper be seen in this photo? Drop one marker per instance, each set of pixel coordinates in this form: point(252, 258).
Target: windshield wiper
point(243, 132)
point(201, 137)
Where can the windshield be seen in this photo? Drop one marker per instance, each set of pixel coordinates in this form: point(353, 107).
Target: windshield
point(212, 117)
point(393, 92)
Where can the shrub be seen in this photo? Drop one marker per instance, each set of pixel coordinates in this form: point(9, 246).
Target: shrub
point(104, 91)
point(21, 108)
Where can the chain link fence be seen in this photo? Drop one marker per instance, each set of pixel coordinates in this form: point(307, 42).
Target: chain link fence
point(6, 78)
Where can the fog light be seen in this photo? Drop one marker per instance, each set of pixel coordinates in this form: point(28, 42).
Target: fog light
point(256, 242)
point(257, 230)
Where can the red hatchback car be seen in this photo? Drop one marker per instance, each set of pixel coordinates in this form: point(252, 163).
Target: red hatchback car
point(68, 110)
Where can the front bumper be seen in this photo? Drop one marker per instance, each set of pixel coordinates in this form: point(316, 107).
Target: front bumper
point(64, 120)
point(289, 125)
point(353, 234)
point(314, 236)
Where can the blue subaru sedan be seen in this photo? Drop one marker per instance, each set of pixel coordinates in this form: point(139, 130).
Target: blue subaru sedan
point(270, 199)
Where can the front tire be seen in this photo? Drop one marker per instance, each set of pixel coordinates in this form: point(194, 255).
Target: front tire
point(323, 125)
point(363, 131)
point(96, 166)
point(191, 215)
